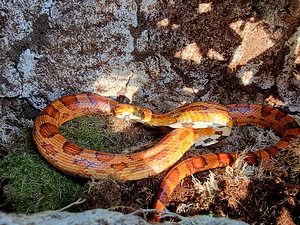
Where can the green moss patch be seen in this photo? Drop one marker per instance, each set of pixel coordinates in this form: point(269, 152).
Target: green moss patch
point(90, 132)
point(108, 134)
point(30, 184)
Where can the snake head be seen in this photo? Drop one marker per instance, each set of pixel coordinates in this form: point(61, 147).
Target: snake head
point(133, 113)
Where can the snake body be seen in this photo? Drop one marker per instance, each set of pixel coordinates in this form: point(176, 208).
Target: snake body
point(201, 122)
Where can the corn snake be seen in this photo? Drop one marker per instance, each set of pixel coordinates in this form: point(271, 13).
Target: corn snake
point(215, 123)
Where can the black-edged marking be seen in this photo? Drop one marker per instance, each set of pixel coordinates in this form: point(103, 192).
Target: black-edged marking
point(252, 159)
point(266, 111)
point(271, 150)
point(291, 125)
point(119, 166)
point(289, 137)
point(48, 130)
point(104, 157)
point(51, 111)
point(71, 102)
point(225, 159)
point(251, 117)
point(72, 149)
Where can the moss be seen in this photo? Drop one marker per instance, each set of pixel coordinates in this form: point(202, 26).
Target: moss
point(89, 132)
point(107, 134)
point(30, 184)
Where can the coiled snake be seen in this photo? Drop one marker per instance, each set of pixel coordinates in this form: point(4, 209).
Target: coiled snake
point(203, 123)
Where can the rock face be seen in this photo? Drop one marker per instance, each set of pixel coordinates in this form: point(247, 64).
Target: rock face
point(157, 54)
point(160, 55)
point(101, 216)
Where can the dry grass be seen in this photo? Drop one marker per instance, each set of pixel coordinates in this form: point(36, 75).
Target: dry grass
point(290, 157)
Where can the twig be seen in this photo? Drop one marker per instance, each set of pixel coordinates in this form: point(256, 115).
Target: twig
point(79, 201)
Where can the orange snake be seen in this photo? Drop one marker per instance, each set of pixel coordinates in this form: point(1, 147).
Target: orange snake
point(214, 120)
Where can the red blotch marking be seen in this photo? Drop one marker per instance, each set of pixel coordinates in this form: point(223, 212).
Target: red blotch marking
point(49, 149)
point(252, 159)
point(48, 130)
point(266, 111)
point(272, 150)
point(291, 125)
point(104, 157)
point(51, 111)
point(224, 159)
point(196, 163)
point(289, 138)
point(72, 149)
point(118, 166)
point(71, 102)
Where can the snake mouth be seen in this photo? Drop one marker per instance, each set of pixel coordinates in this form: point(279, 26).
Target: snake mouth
point(133, 113)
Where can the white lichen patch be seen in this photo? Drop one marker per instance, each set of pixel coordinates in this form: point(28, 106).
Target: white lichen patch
point(27, 64)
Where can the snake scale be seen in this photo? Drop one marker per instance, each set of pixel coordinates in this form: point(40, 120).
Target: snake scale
point(203, 123)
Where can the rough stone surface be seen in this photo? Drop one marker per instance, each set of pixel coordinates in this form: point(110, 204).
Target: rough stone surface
point(161, 55)
point(101, 216)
